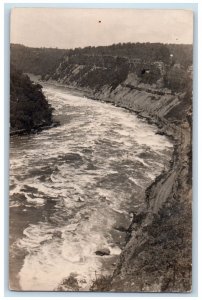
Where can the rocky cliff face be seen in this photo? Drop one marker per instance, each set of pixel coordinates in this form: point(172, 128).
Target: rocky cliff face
point(157, 256)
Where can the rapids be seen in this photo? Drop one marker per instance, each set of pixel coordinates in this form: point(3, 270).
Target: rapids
point(73, 187)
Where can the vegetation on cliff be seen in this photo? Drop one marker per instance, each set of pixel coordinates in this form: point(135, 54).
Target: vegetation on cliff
point(153, 64)
point(28, 107)
point(149, 52)
point(37, 61)
point(163, 65)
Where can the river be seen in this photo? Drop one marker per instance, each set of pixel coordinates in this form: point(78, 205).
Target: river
point(73, 188)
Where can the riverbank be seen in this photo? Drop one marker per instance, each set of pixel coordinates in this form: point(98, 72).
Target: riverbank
point(164, 128)
point(157, 256)
point(95, 174)
point(29, 109)
point(35, 129)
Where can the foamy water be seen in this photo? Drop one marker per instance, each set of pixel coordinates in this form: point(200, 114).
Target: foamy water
point(75, 183)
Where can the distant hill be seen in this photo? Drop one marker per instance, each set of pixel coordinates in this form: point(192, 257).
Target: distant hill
point(147, 52)
point(28, 107)
point(38, 61)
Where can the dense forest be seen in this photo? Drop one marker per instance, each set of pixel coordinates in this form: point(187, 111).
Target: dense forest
point(147, 52)
point(28, 107)
point(37, 61)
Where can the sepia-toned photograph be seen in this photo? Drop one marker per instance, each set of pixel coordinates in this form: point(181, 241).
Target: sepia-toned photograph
point(100, 166)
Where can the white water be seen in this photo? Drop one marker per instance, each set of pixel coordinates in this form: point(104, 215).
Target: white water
point(80, 180)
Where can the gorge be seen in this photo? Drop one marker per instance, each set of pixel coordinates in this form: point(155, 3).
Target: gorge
point(157, 253)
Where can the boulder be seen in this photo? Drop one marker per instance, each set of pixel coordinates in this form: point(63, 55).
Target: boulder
point(102, 252)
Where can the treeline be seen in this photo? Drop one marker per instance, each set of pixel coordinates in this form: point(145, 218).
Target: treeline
point(167, 64)
point(148, 52)
point(38, 61)
point(43, 61)
point(28, 107)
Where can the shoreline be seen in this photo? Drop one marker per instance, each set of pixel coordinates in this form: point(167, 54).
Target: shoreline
point(173, 183)
point(89, 94)
point(35, 129)
point(149, 120)
point(148, 214)
point(128, 224)
point(143, 213)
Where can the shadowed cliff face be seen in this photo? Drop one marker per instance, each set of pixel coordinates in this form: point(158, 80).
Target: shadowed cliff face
point(114, 71)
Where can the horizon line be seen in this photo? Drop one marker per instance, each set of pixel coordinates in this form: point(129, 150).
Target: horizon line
point(51, 47)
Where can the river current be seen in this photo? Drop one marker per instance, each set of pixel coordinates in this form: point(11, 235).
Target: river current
point(72, 189)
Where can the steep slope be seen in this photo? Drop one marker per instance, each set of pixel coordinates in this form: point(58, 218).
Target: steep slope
point(158, 255)
point(37, 61)
point(29, 110)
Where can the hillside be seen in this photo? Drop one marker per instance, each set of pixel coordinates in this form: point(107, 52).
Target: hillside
point(157, 67)
point(151, 62)
point(29, 110)
point(37, 61)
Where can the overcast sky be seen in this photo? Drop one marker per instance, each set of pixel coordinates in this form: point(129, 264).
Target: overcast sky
point(70, 28)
